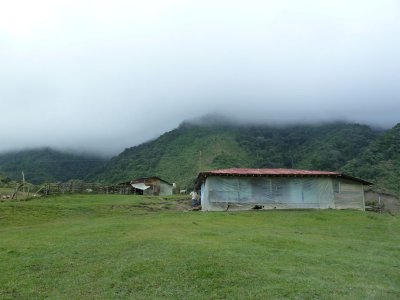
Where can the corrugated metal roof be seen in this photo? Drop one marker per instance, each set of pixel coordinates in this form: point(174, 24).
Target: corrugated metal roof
point(140, 186)
point(137, 180)
point(237, 171)
point(275, 172)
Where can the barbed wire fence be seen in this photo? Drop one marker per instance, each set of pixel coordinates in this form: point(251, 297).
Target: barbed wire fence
point(24, 192)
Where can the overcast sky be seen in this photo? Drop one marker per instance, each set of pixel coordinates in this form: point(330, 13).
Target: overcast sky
point(105, 75)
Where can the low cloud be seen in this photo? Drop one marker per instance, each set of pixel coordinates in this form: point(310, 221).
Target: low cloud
point(99, 77)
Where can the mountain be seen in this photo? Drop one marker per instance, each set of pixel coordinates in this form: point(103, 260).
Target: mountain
point(178, 155)
point(380, 162)
point(48, 165)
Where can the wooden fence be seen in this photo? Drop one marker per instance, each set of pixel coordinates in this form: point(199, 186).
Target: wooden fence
point(83, 188)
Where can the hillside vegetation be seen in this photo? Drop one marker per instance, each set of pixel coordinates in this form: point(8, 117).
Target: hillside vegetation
point(178, 156)
point(48, 165)
point(132, 247)
point(380, 162)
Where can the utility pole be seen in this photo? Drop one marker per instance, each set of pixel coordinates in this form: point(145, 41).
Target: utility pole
point(200, 161)
point(23, 182)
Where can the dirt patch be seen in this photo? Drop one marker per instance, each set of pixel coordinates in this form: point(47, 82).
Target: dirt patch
point(173, 205)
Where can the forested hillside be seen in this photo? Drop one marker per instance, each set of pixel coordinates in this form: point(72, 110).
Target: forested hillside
point(180, 154)
point(177, 156)
point(48, 165)
point(380, 162)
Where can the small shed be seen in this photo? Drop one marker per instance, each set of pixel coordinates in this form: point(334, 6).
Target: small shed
point(152, 186)
point(243, 189)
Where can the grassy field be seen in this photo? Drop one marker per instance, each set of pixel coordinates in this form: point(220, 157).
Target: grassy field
point(102, 247)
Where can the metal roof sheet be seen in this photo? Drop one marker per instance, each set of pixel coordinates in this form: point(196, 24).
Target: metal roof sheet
point(239, 171)
point(137, 180)
point(275, 172)
point(140, 186)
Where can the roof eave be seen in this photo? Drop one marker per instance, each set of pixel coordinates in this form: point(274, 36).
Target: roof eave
point(203, 175)
point(364, 182)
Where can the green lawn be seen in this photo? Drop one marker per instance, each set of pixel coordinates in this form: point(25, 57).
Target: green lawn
point(102, 247)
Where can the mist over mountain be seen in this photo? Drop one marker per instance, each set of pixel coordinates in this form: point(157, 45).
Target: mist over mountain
point(101, 76)
point(180, 154)
point(213, 142)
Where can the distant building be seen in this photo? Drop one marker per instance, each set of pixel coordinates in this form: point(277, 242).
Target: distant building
point(151, 186)
point(243, 189)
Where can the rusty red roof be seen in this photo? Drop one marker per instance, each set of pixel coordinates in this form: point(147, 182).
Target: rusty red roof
point(275, 172)
point(239, 171)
